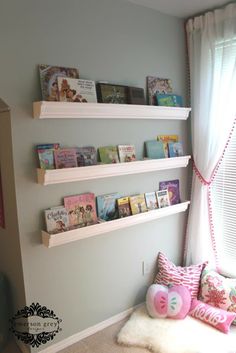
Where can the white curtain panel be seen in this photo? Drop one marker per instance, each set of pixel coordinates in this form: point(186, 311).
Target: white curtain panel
point(212, 56)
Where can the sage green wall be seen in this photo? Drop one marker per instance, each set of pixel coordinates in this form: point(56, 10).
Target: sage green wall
point(88, 281)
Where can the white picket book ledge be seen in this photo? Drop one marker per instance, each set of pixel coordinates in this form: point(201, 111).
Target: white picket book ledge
point(55, 110)
point(50, 240)
point(57, 176)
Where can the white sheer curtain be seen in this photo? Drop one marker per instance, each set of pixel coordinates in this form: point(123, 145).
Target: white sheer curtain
point(212, 56)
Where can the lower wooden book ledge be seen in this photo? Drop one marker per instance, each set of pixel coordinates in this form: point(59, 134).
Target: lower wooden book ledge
point(50, 240)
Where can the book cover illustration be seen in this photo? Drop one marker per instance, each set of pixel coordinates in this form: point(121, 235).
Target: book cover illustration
point(81, 209)
point(86, 156)
point(65, 158)
point(173, 190)
point(151, 200)
point(166, 139)
point(46, 155)
point(111, 93)
point(169, 100)
point(107, 206)
point(57, 220)
point(163, 198)
point(137, 204)
point(48, 79)
point(124, 207)
point(157, 85)
point(76, 90)
point(126, 153)
point(108, 154)
point(175, 149)
point(155, 149)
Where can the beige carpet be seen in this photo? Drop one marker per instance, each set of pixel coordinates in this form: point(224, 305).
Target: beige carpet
point(101, 342)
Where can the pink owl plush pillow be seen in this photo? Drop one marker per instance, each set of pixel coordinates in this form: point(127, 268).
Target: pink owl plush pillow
point(165, 302)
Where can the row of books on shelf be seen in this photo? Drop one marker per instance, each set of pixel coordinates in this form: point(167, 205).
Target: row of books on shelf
point(64, 84)
point(85, 209)
point(53, 156)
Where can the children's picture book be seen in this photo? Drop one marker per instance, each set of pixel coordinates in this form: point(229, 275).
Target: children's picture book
point(126, 153)
point(2, 216)
point(137, 204)
point(65, 158)
point(107, 206)
point(57, 220)
point(151, 200)
point(154, 149)
point(173, 190)
point(166, 139)
point(86, 156)
point(157, 85)
point(163, 198)
point(46, 155)
point(169, 100)
point(108, 154)
point(123, 207)
point(81, 209)
point(175, 149)
point(48, 79)
point(76, 90)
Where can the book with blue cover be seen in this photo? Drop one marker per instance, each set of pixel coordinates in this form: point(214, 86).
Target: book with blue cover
point(107, 206)
point(46, 155)
point(169, 100)
point(155, 149)
point(175, 149)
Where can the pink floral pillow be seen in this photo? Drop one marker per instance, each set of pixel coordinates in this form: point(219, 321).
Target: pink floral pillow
point(218, 318)
point(169, 274)
point(218, 291)
point(173, 302)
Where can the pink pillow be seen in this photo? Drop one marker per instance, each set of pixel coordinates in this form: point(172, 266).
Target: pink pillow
point(188, 277)
point(171, 302)
point(217, 318)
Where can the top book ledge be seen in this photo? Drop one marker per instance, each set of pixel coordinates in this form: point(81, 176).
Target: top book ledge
point(60, 110)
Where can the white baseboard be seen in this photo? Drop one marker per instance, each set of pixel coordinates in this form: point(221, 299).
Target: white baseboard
point(82, 334)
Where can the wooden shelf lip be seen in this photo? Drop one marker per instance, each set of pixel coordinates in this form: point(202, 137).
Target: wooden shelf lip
point(51, 240)
point(60, 110)
point(57, 176)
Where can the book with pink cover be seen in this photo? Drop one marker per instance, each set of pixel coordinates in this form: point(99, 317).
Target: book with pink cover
point(173, 190)
point(81, 209)
point(65, 158)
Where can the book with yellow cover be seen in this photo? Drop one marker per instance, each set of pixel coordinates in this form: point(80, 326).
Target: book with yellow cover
point(123, 207)
point(137, 204)
point(166, 139)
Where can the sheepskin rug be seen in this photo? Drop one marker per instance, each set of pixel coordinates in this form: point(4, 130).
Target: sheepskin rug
point(175, 336)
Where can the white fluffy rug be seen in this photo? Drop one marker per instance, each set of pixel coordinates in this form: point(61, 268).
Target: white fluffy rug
point(175, 336)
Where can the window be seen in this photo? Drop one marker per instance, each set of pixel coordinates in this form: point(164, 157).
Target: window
point(224, 209)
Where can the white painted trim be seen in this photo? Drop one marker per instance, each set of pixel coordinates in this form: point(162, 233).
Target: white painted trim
point(56, 176)
point(56, 110)
point(88, 332)
point(50, 240)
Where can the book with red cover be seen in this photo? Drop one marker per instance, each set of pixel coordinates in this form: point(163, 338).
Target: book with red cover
point(173, 190)
point(81, 209)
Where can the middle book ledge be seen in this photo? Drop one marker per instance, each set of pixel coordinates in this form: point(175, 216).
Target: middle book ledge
point(66, 175)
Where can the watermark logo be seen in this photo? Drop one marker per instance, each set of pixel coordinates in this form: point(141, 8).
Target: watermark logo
point(35, 325)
